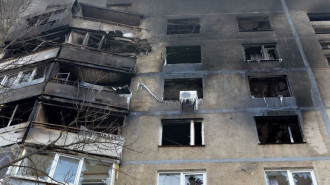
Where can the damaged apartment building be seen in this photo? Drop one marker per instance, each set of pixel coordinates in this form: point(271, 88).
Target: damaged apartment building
point(151, 92)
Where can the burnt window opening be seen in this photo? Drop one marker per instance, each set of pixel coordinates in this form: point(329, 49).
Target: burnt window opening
point(261, 87)
point(77, 37)
point(328, 59)
point(43, 42)
point(47, 18)
point(120, 46)
point(15, 113)
point(325, 45)
point(177, 132)
point(172, 87)
point(247, 24)
point(322, 29)
point(94, 41)
point(258, 53)
point(183, 54)
point(183, 26)
point(279, 129)
point(99, 120)
point(319, 16)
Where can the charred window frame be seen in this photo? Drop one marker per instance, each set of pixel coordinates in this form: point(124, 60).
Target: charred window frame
point(183, 26)
point(47, 18)
point(264, 87)
point(261, 52)
point(290, 177)
point(182, 132)
point(15, 113)
point(52, 168)
point(183, 54)
point(172, 87)
point(279, 129)
point(182, 178)
point(86, 39)
point(251, 24)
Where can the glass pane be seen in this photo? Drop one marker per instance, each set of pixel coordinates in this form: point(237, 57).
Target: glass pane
point(95, 173)
point(277, 178)
point(37, 165)
point(169, 179)
point(304, 178)
point(194, 179)
point(66, 169)
point(25, 76)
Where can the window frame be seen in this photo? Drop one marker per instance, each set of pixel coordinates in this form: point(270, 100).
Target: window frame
point(183, 174)
point(19, 76)
point(290, 172)
point(183, 21)
point(264, 52)
point(13, 170)
point(250, 19)
point(192, 136)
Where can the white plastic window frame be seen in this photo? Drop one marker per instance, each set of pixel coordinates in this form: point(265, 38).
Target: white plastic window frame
point(13, 171)
point(183, 175)
point(192, 133)
point(290, 172)
point(18, 77)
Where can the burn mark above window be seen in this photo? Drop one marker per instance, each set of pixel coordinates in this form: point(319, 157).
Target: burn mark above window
point(183, 54)
point(279, 129)
point(248, 24)
point(183, 26)
point(261, 87)
point(172, 87)
point(182, 132)
point(261, 52)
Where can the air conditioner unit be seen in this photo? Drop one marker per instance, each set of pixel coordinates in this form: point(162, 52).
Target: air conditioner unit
point(189, 100)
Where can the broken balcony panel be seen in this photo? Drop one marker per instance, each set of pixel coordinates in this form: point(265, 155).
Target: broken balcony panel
point(99, 143)
point(13, 134)
point(183, 26)
point(110, 16)
point(81, 93)
point(247, 24)
point(116, 62)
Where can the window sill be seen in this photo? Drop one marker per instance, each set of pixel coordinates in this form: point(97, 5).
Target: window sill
point(174, 146)
point(264, 60)
point(304, 142)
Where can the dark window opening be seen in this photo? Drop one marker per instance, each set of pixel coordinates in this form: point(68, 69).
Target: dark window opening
point(47, 18)
point(119, 46)
point(279, 129)
point(269, 87)
point(183, 54)
point(328, 58)
point(183, 26)
point(322, 30)
point(319, 16)
point(93, 119)
point(94, 40)
point(77, 37)
point(172, 87)
point(260, 52)
point(325, 45)
point(182, 132)
point(246, 24)
point(15, 113)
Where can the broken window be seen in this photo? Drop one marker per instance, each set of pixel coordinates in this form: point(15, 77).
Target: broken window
point(260, 52)
point(182, 132)
point(183, 54)
point(261, 87)
point(325, 45)
point(183, 26)
point(64, 168)
point(77, 37)
point(172, 87)
point(47, 18)
point(290, 177)
point(181, 178)
point(94, 41)
point(15, 113)
point(95, 120)
point(279, 129)
point(246, 24)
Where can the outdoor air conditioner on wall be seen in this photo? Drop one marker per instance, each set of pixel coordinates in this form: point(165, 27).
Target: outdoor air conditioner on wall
point(189, 100)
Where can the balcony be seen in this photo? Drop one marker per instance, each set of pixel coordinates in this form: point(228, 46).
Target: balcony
point(75, 139)
point(87, 93)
